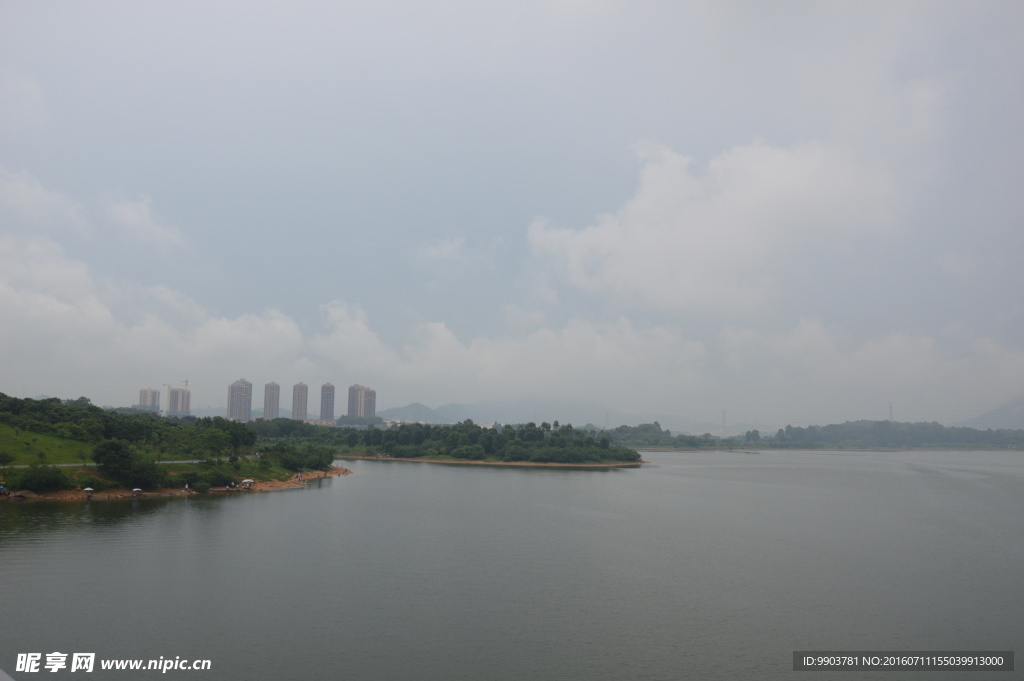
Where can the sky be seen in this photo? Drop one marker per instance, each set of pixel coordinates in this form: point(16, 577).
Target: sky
point(792, 212)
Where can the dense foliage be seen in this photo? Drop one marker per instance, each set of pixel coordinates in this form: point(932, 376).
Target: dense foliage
point(117, 459)
point(852, 434)
point(41, 479)
point(77, 420)
point(81, 420)
point(895, 434)
point(297, 458)
point(547, 443)
point(651, 435)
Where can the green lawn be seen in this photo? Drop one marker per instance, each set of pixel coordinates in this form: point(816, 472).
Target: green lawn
point(27, 446)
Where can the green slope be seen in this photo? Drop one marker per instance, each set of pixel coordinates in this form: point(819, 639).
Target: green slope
point(27, 446)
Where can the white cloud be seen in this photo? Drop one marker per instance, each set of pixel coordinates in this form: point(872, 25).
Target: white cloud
point(26, 197)
point(819, 373)
point(716, 240)
point(518, 318)
point(137, 220)
point(444, 249)
point(62, 336)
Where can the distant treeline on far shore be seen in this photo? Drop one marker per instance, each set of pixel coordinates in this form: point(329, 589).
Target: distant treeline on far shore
point(528, 442)
point(202, 437)
point(211, 438)
point(849, 435)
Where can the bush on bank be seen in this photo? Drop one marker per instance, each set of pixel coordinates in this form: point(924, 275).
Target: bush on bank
point(42, 479)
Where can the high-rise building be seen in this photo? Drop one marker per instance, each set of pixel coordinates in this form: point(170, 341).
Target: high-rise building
point(362, 401)
point(327, 402)
point(179, 402)
point(149, 399)
point(300, 394)
point(271, 400)
point(240, 400)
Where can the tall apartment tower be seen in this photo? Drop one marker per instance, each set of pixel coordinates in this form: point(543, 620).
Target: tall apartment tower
point(300, 394)
point(179, 402)
point(362, 401)
point(149, 399)
point(240, 400)
point(271, 400)
point(327, 402)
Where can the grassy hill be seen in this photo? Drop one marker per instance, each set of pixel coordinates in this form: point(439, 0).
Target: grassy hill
point(27, 446)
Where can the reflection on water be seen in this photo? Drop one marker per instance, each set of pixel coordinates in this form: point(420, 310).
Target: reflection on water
point(21, 520)
point(702, 565)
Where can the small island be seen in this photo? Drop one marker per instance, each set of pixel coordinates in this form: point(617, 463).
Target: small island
point(524, 444)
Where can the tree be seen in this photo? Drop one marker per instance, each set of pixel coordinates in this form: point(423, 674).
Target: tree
point(6, 458)
point(215, 442)
point(115, 457)
point(41, 479)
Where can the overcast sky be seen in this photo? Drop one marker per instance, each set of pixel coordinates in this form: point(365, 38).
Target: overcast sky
point(796, 212)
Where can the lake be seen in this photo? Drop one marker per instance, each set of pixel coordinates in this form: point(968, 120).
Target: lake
point(710, 565)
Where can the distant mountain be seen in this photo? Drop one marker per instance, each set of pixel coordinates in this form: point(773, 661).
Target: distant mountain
point(1009, 415)
point(578, 413)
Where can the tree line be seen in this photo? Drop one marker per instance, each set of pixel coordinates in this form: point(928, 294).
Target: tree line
point(528, 442)
point(862, 434)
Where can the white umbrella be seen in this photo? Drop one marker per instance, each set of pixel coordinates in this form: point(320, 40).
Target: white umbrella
point(136, 490)
point(247, 480)
point(87, 489)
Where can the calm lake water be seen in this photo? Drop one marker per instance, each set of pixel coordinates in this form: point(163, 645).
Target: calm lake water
point(701, 565)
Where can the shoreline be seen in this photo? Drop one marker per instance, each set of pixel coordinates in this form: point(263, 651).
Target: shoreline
point(750, 450)
point(122, 493)
point(473, 462)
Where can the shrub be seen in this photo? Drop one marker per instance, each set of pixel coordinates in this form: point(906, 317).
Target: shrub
point(41, 479)
point(202, 487)
point(475, 452)
point(96, 483)
point(145, 474)
point(217, 478)
point(409, 451)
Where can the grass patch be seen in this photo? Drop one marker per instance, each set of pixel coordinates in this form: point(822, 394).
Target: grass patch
point(26, 446)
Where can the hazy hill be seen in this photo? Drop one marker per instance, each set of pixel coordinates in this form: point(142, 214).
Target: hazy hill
point(577, 413)
point(1009, 415)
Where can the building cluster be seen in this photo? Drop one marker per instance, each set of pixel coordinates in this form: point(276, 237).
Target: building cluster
point(362, 402)
point(179, 401)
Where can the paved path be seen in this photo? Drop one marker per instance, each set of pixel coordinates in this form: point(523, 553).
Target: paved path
point(69, 465)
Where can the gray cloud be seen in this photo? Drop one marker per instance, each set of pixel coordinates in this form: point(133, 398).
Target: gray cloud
point(827, 219)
